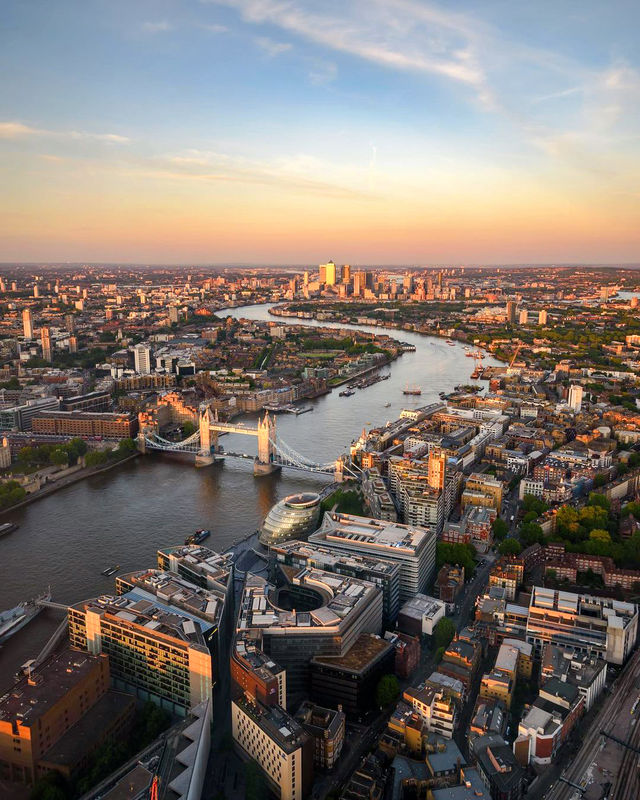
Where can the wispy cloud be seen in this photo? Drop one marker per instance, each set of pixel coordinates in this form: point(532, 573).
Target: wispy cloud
point(398, 33)
point(271, 48)
point(323, 72)
point(214, 28)
point(160, 26)
point(300, 173)
point(506, 76)
point(559, 95)
point(18, 130)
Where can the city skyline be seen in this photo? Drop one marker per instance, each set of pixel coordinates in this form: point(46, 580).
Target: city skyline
point(262, 132)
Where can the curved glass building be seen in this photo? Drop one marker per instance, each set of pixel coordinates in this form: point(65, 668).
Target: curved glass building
point(295, 517)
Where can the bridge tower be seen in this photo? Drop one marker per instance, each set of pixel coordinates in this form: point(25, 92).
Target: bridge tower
point(208, 439)
point(206, 418)
point(264, 464)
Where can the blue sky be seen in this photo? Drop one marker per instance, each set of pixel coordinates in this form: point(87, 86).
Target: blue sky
point(387, 130)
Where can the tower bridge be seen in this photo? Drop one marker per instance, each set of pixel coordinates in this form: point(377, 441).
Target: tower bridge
point(273, 454)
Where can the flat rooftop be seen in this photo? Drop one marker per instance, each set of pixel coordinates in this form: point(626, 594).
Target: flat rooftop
point(214, 566)
point(87, 732)
point(141, 608)
point(280, 726)
point(387, 536)
point(205, 604)
point(325, 558)
point(338, 595)
point(366, 650)
point(30, 699)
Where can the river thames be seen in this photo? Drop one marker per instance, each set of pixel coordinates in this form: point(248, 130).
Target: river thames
point(123, 516)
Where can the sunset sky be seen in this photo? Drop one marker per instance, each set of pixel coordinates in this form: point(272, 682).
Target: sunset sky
point(293, 131)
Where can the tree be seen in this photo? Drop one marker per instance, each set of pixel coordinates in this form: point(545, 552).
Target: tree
point(387, 690)
point(126, 446)
point(188, 428)
point(600, 480)
point(59, 456)
point(499, 528)
point(599, 535)
point(443, 633)
point(532, 503)
point(96, 458)
point(510, 547)
point(462, 554)
point(531, 533)
point(600, 500)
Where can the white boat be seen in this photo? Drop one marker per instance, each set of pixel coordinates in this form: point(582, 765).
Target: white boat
point(14, 619)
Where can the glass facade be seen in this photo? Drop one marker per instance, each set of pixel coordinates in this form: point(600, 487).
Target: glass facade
point(295, 517)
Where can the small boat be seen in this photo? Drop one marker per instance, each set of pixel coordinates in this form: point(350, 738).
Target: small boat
point(347, 393)
point(7, 527)
point(450, 342)
point(386, 405)
point(198, 536)
point(111, 570)
point(412, 390)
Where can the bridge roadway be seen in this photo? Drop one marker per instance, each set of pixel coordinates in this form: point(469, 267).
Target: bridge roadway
point(51, 604)
point(576, 773)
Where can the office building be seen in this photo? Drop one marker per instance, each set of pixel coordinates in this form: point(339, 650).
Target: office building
point(55, 717)
point(327, 273)
point(142, 359)
point(350, 680)
point(45, 342)
point(20, 418)
point(327, 728)
point(27, 324)
point(359, 283)
point(548, 722)
point(575, 397)
point(420, 614)
point(599, 626)
point(156, 650)
point(413, 548)
point(511, 312)
point(385, 574)
point(346, 274)
point(587, 673)
point(308, 612)
point(199, 565)
point(208, 604)
point(294, 517)
point(277, 743)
